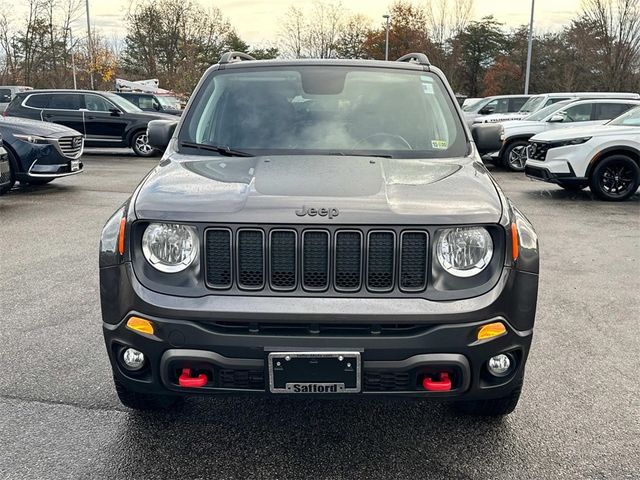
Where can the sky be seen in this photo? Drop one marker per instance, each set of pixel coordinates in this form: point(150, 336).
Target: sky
point(257, 20)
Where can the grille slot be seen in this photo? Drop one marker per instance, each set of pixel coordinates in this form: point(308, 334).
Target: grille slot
point(70, 146)
point(386, 381)
point(219, 258)
point(538, 151)
point(348, 261)
point(413, 261)
point(381, 261)
point(315, 260)
point(283, 259)
point(250, 259)
point(240, 379)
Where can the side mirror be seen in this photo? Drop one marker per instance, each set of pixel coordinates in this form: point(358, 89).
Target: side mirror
point(487, 110)
point(160, 132)
point(556, 118)
point(115, 112)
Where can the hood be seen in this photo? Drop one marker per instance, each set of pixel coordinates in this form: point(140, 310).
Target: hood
point(592, 131)
point(34, 127)
point(364, 190)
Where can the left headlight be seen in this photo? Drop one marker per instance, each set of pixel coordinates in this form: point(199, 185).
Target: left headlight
point(170, 247)
point(573, 141)
point(32, 139)
point(464, 251)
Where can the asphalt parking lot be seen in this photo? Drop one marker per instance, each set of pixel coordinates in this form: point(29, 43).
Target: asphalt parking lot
point(60, 418)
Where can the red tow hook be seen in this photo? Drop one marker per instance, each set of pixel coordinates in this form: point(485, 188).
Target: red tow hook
point(186, 380)
point(441, 385)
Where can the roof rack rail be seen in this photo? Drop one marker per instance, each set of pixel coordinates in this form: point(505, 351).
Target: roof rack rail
point(231, 57)
point(419, 58)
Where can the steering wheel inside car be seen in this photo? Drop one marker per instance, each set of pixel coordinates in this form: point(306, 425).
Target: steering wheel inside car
point(380, 140)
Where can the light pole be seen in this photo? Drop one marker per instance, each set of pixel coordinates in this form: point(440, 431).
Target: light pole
point(89, 46)
point(73, 60)
point(386, 41)
point(528, 74)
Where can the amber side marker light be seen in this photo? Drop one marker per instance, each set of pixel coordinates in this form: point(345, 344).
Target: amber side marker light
point(491, 330)
point(123, 224)
point(140, 325)
point(515, 243)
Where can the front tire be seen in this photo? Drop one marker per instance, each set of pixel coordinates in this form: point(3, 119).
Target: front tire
point(140, 145)
point(145, 401)
point(493, 407)
point(515, 156)
point(615, 178)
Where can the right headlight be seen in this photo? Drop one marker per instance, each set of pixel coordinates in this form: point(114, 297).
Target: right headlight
point(566, 143)
point(170, 247)
point(464, 251)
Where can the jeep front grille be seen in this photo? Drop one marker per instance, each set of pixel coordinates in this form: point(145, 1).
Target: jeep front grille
point(71, 146)
point(313, 260)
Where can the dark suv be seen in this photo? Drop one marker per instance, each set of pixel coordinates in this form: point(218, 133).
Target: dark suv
point(153, 102)
point(105, 119)
point(320, 228)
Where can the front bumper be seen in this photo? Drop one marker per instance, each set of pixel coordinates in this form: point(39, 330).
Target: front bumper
point(44, 161)
point(231, 342)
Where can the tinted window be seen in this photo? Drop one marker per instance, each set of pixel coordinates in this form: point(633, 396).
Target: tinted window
point(96, 103)
point(66, 101)
point(607, 111)
point(577, 113)
point(348, 110)
point(517, 103)
point(5, 95)
point(629, 119)
point(145, 102)
point(551, 101)
point(38, 101)
point(499, 105)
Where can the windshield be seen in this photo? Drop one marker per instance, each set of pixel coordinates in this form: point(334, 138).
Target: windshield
point(168, 101)
point(334, 110)
point(475, 106)
point(542, 114)
point(532, 104)
point(122, 103)
point(628, 119)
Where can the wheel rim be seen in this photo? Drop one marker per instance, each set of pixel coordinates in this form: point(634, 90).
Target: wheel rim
point(518, 157)
point(142, 144)
point(616, 179)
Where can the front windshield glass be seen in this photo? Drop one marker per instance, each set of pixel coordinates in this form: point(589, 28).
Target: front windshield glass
point(475, 106)
point(168, 101)
point(628, 119)
point(335, 110)
point(532, 104)
point(542, 114)
point(122, 103)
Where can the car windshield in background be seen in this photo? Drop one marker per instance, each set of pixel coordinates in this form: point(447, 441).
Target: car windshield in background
point(325, 110)
point(168, 102)
point(532, 104)
point(546, 111)
point(122, 103)
point(472, 107)
point(629, 119)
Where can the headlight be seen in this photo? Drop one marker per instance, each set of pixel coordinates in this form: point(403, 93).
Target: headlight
point(573, 141)
point(169, 247)
point(32, 138)
point(464, 251)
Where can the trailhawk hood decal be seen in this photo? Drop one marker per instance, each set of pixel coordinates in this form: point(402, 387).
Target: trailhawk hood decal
point(365, 190)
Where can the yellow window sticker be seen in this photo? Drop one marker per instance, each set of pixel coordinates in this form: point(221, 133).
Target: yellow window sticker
point(439, 144)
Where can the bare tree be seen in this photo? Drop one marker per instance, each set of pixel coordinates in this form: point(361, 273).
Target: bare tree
point(447, 18)
point(313, 33)
point(616, 36)
point(293, 32)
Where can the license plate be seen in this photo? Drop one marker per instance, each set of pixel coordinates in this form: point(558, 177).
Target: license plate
point(314, 372)
point(75, 165)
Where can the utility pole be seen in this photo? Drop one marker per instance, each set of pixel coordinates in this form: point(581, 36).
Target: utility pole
point(528, 74)
point(386, 41)
point(73, 60)
point(90, 46)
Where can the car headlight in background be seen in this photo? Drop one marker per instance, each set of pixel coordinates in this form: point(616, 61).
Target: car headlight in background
point(170, 247)
point(32, 139)
point(464, 251)
point(573, 141)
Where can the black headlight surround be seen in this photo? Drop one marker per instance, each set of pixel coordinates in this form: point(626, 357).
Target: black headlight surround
point(569, 142)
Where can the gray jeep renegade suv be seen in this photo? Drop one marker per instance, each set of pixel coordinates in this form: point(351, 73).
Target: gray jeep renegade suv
point(319, 228)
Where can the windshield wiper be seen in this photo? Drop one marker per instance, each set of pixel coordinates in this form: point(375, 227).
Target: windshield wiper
point(375, 155)
point(221, 149)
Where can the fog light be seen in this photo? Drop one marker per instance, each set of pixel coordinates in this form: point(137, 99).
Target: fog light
point(499, 365)
point(133, 359)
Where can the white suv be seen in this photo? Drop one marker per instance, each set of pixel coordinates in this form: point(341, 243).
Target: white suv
point(606, 158)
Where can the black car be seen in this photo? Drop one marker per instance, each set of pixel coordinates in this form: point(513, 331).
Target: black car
point(319, 228)
point(39, 152)
point(105, 119)
point(153, 102)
